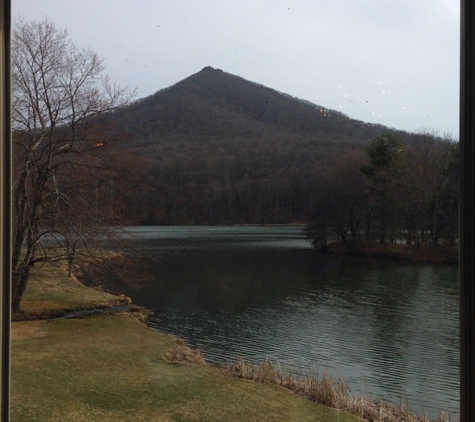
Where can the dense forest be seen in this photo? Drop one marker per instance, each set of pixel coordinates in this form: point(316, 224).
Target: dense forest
point(217, 149)
point(391, 192)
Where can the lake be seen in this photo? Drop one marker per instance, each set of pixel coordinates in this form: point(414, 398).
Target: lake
point(390, 329)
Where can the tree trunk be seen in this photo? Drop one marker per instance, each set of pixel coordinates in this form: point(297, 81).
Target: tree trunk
point(19, 283)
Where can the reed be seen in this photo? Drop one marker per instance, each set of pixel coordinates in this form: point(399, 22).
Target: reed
point(324, 390)
point(181, 353)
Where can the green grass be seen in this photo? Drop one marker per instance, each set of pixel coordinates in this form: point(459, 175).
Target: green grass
point(111, 368)
point(51, 292)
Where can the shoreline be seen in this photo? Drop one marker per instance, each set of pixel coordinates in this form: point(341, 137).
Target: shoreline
point(320, 390)
point(427, 254)
point(107, 305)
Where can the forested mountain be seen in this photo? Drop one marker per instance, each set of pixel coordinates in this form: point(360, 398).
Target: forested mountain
point(216, 148)
point(212, 105)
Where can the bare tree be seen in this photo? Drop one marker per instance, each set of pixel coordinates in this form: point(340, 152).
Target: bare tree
point(62, 148)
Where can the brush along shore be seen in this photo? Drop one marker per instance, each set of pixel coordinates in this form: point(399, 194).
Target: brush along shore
point(114, 368)
point(325, 391)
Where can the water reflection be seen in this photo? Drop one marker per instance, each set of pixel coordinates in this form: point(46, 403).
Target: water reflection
point(388, 328)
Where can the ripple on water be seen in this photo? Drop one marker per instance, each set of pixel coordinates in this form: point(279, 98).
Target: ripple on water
point(387, 328)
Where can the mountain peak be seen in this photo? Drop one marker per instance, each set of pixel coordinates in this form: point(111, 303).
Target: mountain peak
point(210, 69)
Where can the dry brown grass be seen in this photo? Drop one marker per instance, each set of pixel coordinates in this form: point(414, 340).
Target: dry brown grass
point(181, 353)
point(325, 391)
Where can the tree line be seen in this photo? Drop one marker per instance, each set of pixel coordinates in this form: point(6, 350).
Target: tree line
point(391, 192)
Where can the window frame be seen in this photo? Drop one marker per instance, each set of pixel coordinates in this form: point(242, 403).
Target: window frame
point(5, 207)
point(467, 211)
point(466, 221)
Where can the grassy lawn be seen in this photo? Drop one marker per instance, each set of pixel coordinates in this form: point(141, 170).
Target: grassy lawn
point(51, 292)
point(110, 368)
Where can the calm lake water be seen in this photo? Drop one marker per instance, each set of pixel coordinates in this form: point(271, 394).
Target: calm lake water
point(390, 329)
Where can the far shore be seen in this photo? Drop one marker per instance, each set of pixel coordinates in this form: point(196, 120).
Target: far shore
point(433, 254)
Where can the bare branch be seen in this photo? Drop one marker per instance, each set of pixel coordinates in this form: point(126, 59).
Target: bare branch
point(62, 150)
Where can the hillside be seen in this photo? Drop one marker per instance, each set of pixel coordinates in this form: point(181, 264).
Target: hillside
point(219, 149)
point(214, 105)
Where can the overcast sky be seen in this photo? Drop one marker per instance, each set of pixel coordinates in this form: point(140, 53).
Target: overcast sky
point(394, 62)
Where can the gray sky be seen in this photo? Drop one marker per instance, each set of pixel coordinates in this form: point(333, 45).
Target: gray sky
point(394, 62)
